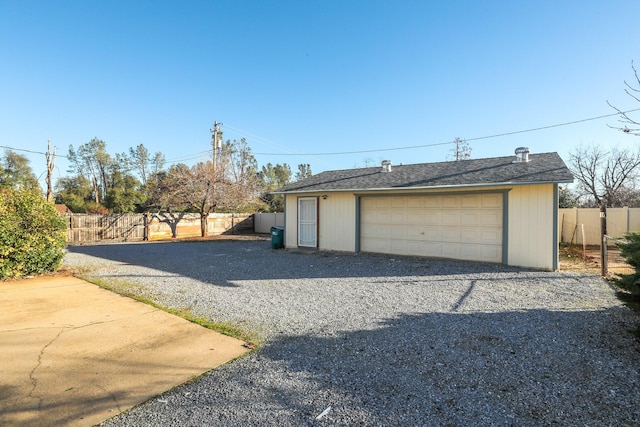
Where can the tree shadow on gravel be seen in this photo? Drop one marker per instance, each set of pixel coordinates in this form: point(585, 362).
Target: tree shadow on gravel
point(224, 262)
point(533, 367)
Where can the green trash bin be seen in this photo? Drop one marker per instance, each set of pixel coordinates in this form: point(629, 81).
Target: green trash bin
point(277, 237)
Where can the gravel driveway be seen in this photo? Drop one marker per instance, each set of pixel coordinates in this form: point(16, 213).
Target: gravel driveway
point(381, 340)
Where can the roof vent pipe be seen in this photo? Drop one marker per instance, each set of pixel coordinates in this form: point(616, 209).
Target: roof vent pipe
point(386, 166)
point(522, 155)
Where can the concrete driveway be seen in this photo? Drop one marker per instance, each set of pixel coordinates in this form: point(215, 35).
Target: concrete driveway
point(72, 353)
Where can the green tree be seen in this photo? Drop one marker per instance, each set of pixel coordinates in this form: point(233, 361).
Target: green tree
point(92, 160)
point(32, 234)
point(76, 192)
point(274, 177)
point(123, 195)
point(304, 171)
point(16, 173)
point(630, 251)
point(145, 165)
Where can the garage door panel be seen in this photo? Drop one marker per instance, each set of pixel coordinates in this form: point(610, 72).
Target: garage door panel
point(432, 234)
point(492, 201)
point(432, 249)
point(471, 202)
point(414, 246)
point(415, 217)
point(491, 219)
point(471, 219)
point(399, 232)
point(491, 237)
point(449, 234)
point(399, 202)
point(415, 202)
point(433, 202)
point(451, 226)
point(491, 254)
point(398, 216)
point(450, 202)
point(376, 245)
point(470, 235)
point(432, 216)
point(450, 250)
point(450, 217)
point(416, 233)
point(377, 216)
point(399, 247)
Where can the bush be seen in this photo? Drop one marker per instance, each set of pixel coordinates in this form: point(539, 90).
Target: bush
point(32, 234)
point(630, 251)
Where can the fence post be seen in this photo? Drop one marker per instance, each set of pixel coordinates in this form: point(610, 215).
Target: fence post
point(605, 257)
point(145, 237)
point(603, 233)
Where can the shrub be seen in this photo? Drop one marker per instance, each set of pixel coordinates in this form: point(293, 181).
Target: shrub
point(32, 234)
point(630, 251)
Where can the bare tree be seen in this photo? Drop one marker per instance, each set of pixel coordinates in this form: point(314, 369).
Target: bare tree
point(167, 194)
point(239, 185)
point(607, 178)
point(199, 192)
point(633, 90)
point(462, 150)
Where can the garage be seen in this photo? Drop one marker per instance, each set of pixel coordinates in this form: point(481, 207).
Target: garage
point(499, 210)
point(457, 226)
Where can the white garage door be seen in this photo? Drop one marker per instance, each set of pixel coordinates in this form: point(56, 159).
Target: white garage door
point(467, 227)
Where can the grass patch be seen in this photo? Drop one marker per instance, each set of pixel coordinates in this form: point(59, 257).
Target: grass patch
point(128, 290)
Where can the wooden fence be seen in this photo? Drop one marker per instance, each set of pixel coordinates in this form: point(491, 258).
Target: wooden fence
point(85, 228)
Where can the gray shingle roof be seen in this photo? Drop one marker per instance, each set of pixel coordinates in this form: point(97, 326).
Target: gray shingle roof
point(542, 168)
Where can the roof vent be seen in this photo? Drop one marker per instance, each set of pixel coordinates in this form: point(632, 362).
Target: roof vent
point(386, 166)
point(522, 155)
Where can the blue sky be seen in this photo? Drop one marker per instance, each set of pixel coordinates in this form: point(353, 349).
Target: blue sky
point(305, 77)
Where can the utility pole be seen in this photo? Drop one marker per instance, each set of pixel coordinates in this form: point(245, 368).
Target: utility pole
point(216, 141)
point(51, 160)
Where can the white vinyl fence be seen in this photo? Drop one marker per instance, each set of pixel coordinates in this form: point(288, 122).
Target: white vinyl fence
point(262, 222)
point(576, 225)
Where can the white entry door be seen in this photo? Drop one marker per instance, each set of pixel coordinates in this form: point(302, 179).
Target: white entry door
point(308, 222)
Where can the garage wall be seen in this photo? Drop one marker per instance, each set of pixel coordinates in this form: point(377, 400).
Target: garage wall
point(531, 216)
point(336, 219)
point(530, 223)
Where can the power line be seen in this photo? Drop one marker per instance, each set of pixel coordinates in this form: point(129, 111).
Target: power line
point(550, 126)
point(453, 141)
point(293, 153)
point(29, 151)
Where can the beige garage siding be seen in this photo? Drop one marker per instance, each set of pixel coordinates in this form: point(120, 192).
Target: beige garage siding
point(464, 226)
point(336, 221)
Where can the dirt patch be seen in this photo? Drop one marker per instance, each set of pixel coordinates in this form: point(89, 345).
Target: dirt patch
point(575, 258)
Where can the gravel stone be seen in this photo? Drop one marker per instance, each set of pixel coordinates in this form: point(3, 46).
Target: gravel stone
point(385, 340)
